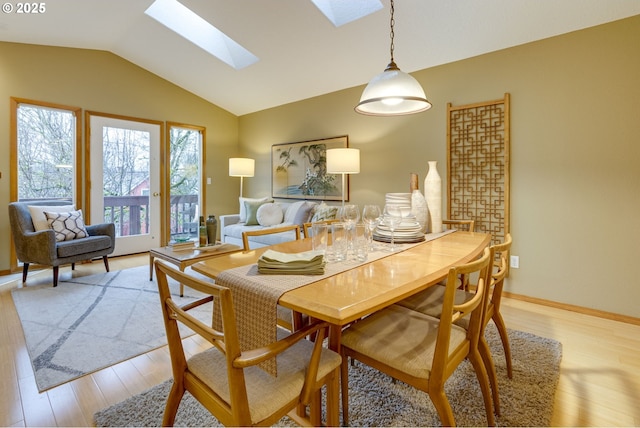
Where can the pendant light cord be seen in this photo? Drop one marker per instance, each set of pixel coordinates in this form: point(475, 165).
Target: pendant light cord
point(392, 64)
point(391, 23)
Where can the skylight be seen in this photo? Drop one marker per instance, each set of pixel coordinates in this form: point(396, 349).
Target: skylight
point(192, 27)
point(341, 12)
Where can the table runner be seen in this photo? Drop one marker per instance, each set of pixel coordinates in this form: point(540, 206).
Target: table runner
point(255, 296)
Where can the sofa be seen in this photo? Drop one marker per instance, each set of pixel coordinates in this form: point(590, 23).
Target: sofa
point(260, 213)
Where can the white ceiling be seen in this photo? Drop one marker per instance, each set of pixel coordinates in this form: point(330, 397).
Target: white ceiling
point(301, 53)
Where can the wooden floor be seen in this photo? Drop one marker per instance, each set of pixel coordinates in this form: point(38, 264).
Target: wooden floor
point(599, 383)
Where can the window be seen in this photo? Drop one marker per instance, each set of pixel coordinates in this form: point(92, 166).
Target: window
point(45, 141)
point(186, 159)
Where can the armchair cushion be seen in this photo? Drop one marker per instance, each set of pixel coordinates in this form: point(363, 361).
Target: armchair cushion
point(38, 217)
point(67, 225)
point(90, 244)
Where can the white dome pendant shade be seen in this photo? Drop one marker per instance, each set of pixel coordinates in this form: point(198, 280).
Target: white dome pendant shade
point(392, 92)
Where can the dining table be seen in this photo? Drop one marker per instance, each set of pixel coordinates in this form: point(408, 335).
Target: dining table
point(361, 288)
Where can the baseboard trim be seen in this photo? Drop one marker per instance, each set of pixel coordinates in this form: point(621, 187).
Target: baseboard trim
point(574, 308)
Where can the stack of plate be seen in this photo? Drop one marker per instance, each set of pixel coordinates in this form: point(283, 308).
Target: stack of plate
point(398, 199)
point(409, 231)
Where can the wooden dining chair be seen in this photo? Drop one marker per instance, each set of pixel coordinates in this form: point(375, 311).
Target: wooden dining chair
point(268, 231)
point(420, 350)
point(500, 270)
point(307, 228)
point(468, 225)
point(286, 317)
point(227, 380)
point(430, 301)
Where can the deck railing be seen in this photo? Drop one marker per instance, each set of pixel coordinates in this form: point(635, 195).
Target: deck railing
point(130, 214)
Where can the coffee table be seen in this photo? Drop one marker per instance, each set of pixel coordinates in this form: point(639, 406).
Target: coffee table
point(184, 258)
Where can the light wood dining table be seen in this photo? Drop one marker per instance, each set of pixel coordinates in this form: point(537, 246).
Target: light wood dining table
point(366, 288)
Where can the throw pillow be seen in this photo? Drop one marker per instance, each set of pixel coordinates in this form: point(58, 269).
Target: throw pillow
point(299, 212)
point(67, 226)
point(243, 211)
point(324, 212)
point(251, 210)
point(40, 220)
point(269, 214)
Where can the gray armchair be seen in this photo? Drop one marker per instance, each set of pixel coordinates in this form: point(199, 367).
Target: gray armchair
point(42, 248)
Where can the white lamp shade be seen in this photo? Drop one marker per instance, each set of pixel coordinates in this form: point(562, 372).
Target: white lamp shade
point(343, 161)
point(241, 167)
point(392, 93)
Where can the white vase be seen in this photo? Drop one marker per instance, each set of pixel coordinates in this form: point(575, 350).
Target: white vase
point(433, 195)
point(419, 209)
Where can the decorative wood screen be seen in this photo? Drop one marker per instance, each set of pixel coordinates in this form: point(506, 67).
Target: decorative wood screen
point(478, 165)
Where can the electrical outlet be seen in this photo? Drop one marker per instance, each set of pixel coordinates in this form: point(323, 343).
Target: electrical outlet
point(514, 262)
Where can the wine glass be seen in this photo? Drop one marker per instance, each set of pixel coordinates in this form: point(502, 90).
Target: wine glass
point(392, 218)
point(350, 215)
point(371, 218)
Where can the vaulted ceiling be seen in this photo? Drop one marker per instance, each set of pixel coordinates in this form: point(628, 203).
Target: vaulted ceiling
point(301, 54)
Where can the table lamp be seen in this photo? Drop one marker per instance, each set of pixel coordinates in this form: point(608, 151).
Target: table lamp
point(241, 167)
point(343, 161)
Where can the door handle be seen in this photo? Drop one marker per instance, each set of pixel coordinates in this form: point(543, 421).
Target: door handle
point(156, 194)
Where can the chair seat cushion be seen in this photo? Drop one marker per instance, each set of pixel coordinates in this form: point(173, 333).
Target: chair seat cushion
point(266, 393)
point(429, 301)
point(86, 245)
point(400, 338)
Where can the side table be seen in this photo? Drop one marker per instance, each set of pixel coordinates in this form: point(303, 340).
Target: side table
point(185, 258)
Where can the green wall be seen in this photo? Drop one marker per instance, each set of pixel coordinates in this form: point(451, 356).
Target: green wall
point(575, 155)
point(575, 144)
point(102, 82)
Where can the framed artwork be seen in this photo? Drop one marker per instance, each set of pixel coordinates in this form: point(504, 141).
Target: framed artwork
point(299, 170)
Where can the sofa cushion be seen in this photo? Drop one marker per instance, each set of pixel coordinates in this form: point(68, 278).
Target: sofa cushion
point(235, 231)
point(324, 212)
point(40, 220)
point(67, 225)
point(270, 214)
point(251, 208)
point(299, 212)
point(243, 210)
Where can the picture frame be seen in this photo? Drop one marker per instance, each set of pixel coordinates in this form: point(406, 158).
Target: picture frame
point(298, 170)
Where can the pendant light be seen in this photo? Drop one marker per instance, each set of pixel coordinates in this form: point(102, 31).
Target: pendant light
point(392, 92)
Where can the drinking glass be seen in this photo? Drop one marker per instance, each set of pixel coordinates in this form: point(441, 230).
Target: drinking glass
point(371, 218)
point(339, 241)
point(360, 242)
point(320, 236)
point(392, 218)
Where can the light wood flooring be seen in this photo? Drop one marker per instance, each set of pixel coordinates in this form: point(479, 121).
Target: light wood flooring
point(599, 383)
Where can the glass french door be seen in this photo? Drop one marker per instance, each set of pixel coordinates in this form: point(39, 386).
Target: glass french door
point(125, 180)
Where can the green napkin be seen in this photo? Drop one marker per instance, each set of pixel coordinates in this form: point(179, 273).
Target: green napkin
point(306, 263)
